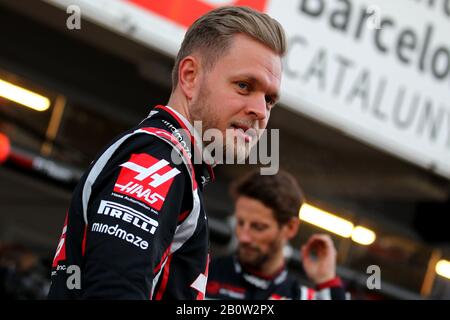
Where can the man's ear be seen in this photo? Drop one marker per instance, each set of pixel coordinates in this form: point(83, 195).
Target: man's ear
point(188, 73)
point(291, 227)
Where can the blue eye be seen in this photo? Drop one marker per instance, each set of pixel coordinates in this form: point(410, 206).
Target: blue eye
point(243, 85)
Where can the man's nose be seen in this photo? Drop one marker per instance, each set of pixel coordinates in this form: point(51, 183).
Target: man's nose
point(243, 235)
point(257, 107)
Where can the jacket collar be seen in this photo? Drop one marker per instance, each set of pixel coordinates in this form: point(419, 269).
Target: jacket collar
point(257, 279)
point(174, 121)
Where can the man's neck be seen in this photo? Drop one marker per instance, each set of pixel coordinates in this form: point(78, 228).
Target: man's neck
point(180, 105)
point(274, 268)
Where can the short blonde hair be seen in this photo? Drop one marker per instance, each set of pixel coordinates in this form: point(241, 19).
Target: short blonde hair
point(211, 35)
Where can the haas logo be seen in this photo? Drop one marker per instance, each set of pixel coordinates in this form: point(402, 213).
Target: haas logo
point(185, 12)
point(146, 179)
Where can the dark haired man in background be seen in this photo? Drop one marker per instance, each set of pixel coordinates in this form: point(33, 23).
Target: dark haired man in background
point(266, 212)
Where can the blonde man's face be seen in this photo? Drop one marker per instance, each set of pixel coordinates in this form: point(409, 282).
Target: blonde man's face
point(239, 91)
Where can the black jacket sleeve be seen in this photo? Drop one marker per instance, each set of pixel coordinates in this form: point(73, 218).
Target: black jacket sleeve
point(132, 217)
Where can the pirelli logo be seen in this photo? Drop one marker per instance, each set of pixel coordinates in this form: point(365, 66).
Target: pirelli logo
point(128, 215)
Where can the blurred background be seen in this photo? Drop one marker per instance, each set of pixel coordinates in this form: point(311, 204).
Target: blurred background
point(364, 125)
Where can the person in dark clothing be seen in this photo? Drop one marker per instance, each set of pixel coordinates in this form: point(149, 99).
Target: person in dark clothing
point(136, 227)
point(266, 212)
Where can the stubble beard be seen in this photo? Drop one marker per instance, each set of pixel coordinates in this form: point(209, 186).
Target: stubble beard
point(201, 110)
point(261, 258)
point(255, 262)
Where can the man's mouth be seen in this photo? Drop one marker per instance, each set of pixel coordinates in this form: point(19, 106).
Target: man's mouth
point(248, 249)
point(240, 126)
point(241, 129)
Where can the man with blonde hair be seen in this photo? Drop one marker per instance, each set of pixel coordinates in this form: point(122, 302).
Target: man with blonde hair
point(136, 227)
